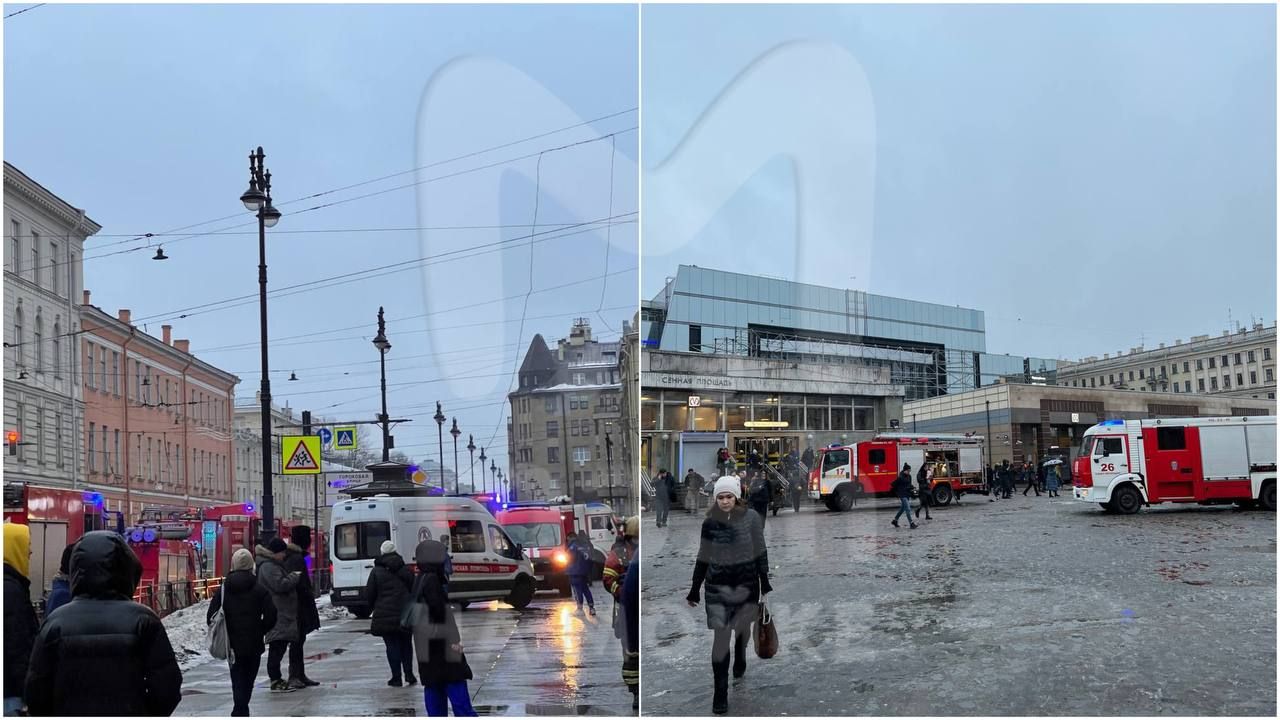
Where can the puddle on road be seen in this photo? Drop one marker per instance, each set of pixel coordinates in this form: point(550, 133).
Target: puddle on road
point(541, 710)
point(395, 712)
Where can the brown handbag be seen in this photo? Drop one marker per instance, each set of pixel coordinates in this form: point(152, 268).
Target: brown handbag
point(765, 633)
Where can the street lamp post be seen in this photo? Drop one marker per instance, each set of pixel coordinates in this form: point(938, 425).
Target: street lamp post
point(439, 418)
point(493, 473)
point(383, 346)
point(455, 432)
point(608, 457)
point(483, 482)
point(497, 486)
point(258, 200)
point(471, 448)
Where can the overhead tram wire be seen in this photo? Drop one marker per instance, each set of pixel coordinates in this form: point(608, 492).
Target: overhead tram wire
point(475, 251)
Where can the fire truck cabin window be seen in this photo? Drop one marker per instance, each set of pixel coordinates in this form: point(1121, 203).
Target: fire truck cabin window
point(361, 541)
point(1109, 446)
point(466, 536)
point(876, 457)
point(1086, 448)
point(835, 459)
point(1171, 438)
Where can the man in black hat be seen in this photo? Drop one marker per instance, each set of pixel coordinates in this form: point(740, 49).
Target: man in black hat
point(295, 560)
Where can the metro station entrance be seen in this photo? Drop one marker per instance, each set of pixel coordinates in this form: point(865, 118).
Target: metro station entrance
point(771, 447)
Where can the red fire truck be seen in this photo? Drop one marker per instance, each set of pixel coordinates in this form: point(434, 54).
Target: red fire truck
point(57, 517)
point(1125, 464)
point(843, 473)
point(171, 577)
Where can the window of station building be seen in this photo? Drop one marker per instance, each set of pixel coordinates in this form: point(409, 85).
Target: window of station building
point(841, 418)
point(695, 338)
point(709, 415)
point(1130, 375)
point(1253, 377)
point(1270, 374)
point(648, 416)
point(1200, 384)
point(1212, 362)
point(1226, 382)
point(1173, 369)
point(1111, 379)
point(1238, 356)
point(1213, 383)
point(1239, 379)
point(1141, 374)
point(1251, 356)
point(1091, 383)
point(1186, 386)
point(1266, 353)
point(675, 417)
point(1200, 363)
point(1186, 366)
point(1225, 358)
point(864, 418)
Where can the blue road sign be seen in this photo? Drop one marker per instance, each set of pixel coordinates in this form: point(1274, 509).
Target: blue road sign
point(326, 436)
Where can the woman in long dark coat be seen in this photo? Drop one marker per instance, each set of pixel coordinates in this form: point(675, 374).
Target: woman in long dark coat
point(734, 563)
point(249, 614)
point(388, 591)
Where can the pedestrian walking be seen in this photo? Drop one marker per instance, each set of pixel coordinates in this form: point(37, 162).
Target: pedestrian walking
point(283, 586)
point(901, 487)
point(295, 560)
point(761, 493)
point(442, 665)
point(1006, 480)
point(1029, 475)
point(102, 653)
point(618, 566)
point(60, 586)
point(20, 623)
point(388, 591)
point(1052, 479)
point(991, 484)
point(580, 572)
point(693, 482)
point(662, 496)
point(734, 564)
point(924, 482)
point(249, 614)
point(725, 463)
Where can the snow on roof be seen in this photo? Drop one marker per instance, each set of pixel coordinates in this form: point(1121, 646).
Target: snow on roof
point(569, 386)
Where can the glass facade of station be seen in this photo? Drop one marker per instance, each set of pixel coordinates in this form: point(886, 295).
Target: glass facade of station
point(669, 411)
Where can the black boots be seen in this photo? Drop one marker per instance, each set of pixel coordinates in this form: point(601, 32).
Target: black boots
point(720, 700)
point(739, 656)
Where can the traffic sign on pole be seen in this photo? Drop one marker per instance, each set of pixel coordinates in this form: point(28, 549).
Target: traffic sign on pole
point(345, 438)
point(326, 436)
point(300, 454)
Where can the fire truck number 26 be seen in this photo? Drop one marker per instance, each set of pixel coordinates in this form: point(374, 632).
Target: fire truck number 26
point(1107, 467)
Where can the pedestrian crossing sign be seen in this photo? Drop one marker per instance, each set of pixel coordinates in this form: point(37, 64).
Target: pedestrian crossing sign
point(344, 438)
point(300, 454)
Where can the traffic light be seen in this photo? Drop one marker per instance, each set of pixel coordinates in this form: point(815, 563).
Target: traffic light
point(11, 437)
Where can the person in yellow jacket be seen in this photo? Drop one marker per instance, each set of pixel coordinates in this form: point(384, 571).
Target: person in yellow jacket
point(20, 623)
point(617, 566)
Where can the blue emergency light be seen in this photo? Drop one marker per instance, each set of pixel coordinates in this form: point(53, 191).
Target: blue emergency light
point(248, 508)
point(93, 498)
point(1112, 423)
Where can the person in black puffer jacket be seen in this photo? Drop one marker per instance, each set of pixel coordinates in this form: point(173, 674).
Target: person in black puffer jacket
point(102, 653)
point(901, 487)
point(20, 624)
point(734, 562)
point(249, 613)
point(295, 560)
point(388, 592)
point(441, 660)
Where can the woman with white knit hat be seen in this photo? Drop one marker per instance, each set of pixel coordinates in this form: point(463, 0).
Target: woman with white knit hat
point(388, 592)
point(734, 563)
point(249, 613)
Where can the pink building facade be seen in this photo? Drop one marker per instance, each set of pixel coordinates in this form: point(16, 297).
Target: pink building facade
point(158, 421)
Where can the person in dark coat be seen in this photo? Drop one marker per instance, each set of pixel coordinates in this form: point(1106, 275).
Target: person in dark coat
point(662, 489)
point(631, 642)
point(102, 653)
point(60, 586)
point(924, 479)
point(761, 493)
point(734, 563)
point(580, 571)
point(442, 664)
point(388, 592)
point(1029, 474)
point(20, 623)
point(283, 586)
point(991, 484)
point(248, 614)
point(807, 458)
point(902, 489)
point(295, 560)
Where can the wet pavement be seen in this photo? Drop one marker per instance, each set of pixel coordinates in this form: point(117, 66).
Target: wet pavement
point(1029, 606)
point(546, 660)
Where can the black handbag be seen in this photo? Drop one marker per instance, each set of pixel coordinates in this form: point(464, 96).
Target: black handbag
point(412, 611)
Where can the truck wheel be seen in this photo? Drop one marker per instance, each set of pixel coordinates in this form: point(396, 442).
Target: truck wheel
point(942, 495)
point(364, 613)
point(830, 502)
point(1268, 497)
point(1107, 507)
point(1126, 500)
point(844, 499)
point(522, 594)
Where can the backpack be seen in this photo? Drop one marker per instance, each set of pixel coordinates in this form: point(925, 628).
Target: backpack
point(216, 637)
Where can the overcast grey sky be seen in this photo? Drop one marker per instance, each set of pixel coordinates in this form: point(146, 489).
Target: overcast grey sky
point(144, 116)
point(1084, 174)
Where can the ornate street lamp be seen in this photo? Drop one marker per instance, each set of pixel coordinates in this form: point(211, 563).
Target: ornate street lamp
point(380, 342)
point(455, 432)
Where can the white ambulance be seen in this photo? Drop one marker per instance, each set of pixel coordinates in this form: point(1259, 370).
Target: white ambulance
point(1125, 464)
point(487, 564)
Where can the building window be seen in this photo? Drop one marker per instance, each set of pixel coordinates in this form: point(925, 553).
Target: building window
point(1213, 383)
point(695, 338)
point(1226, 382)
point(1186, 386)
point(115, 466)
point(1269, 374)
point(1239, 379)
point(573, 428)
point(1266, 353)
point(1251, 356)
point(581, 454)
point(57, 348)
point(57, 440)
point(115, 373)
point(579, 378)
point(54, 267)
point(1186, 366)
point(549, 404)
point(93, 444)
point(1225, 358)
point(553, 455)
point(1200, 364)
point(1091, 383)
point(1237, 358)
point(38, 339)
point(1141, 375)
point(1253, 377)
point(15, 246)
point(35, 258)
point(1130, 375)
point(553, 429)
point(1212, 363)
point(1200, 384)
point(1111, 379)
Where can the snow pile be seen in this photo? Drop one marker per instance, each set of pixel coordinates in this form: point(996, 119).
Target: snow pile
point(187, 632)
point(328, 611)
